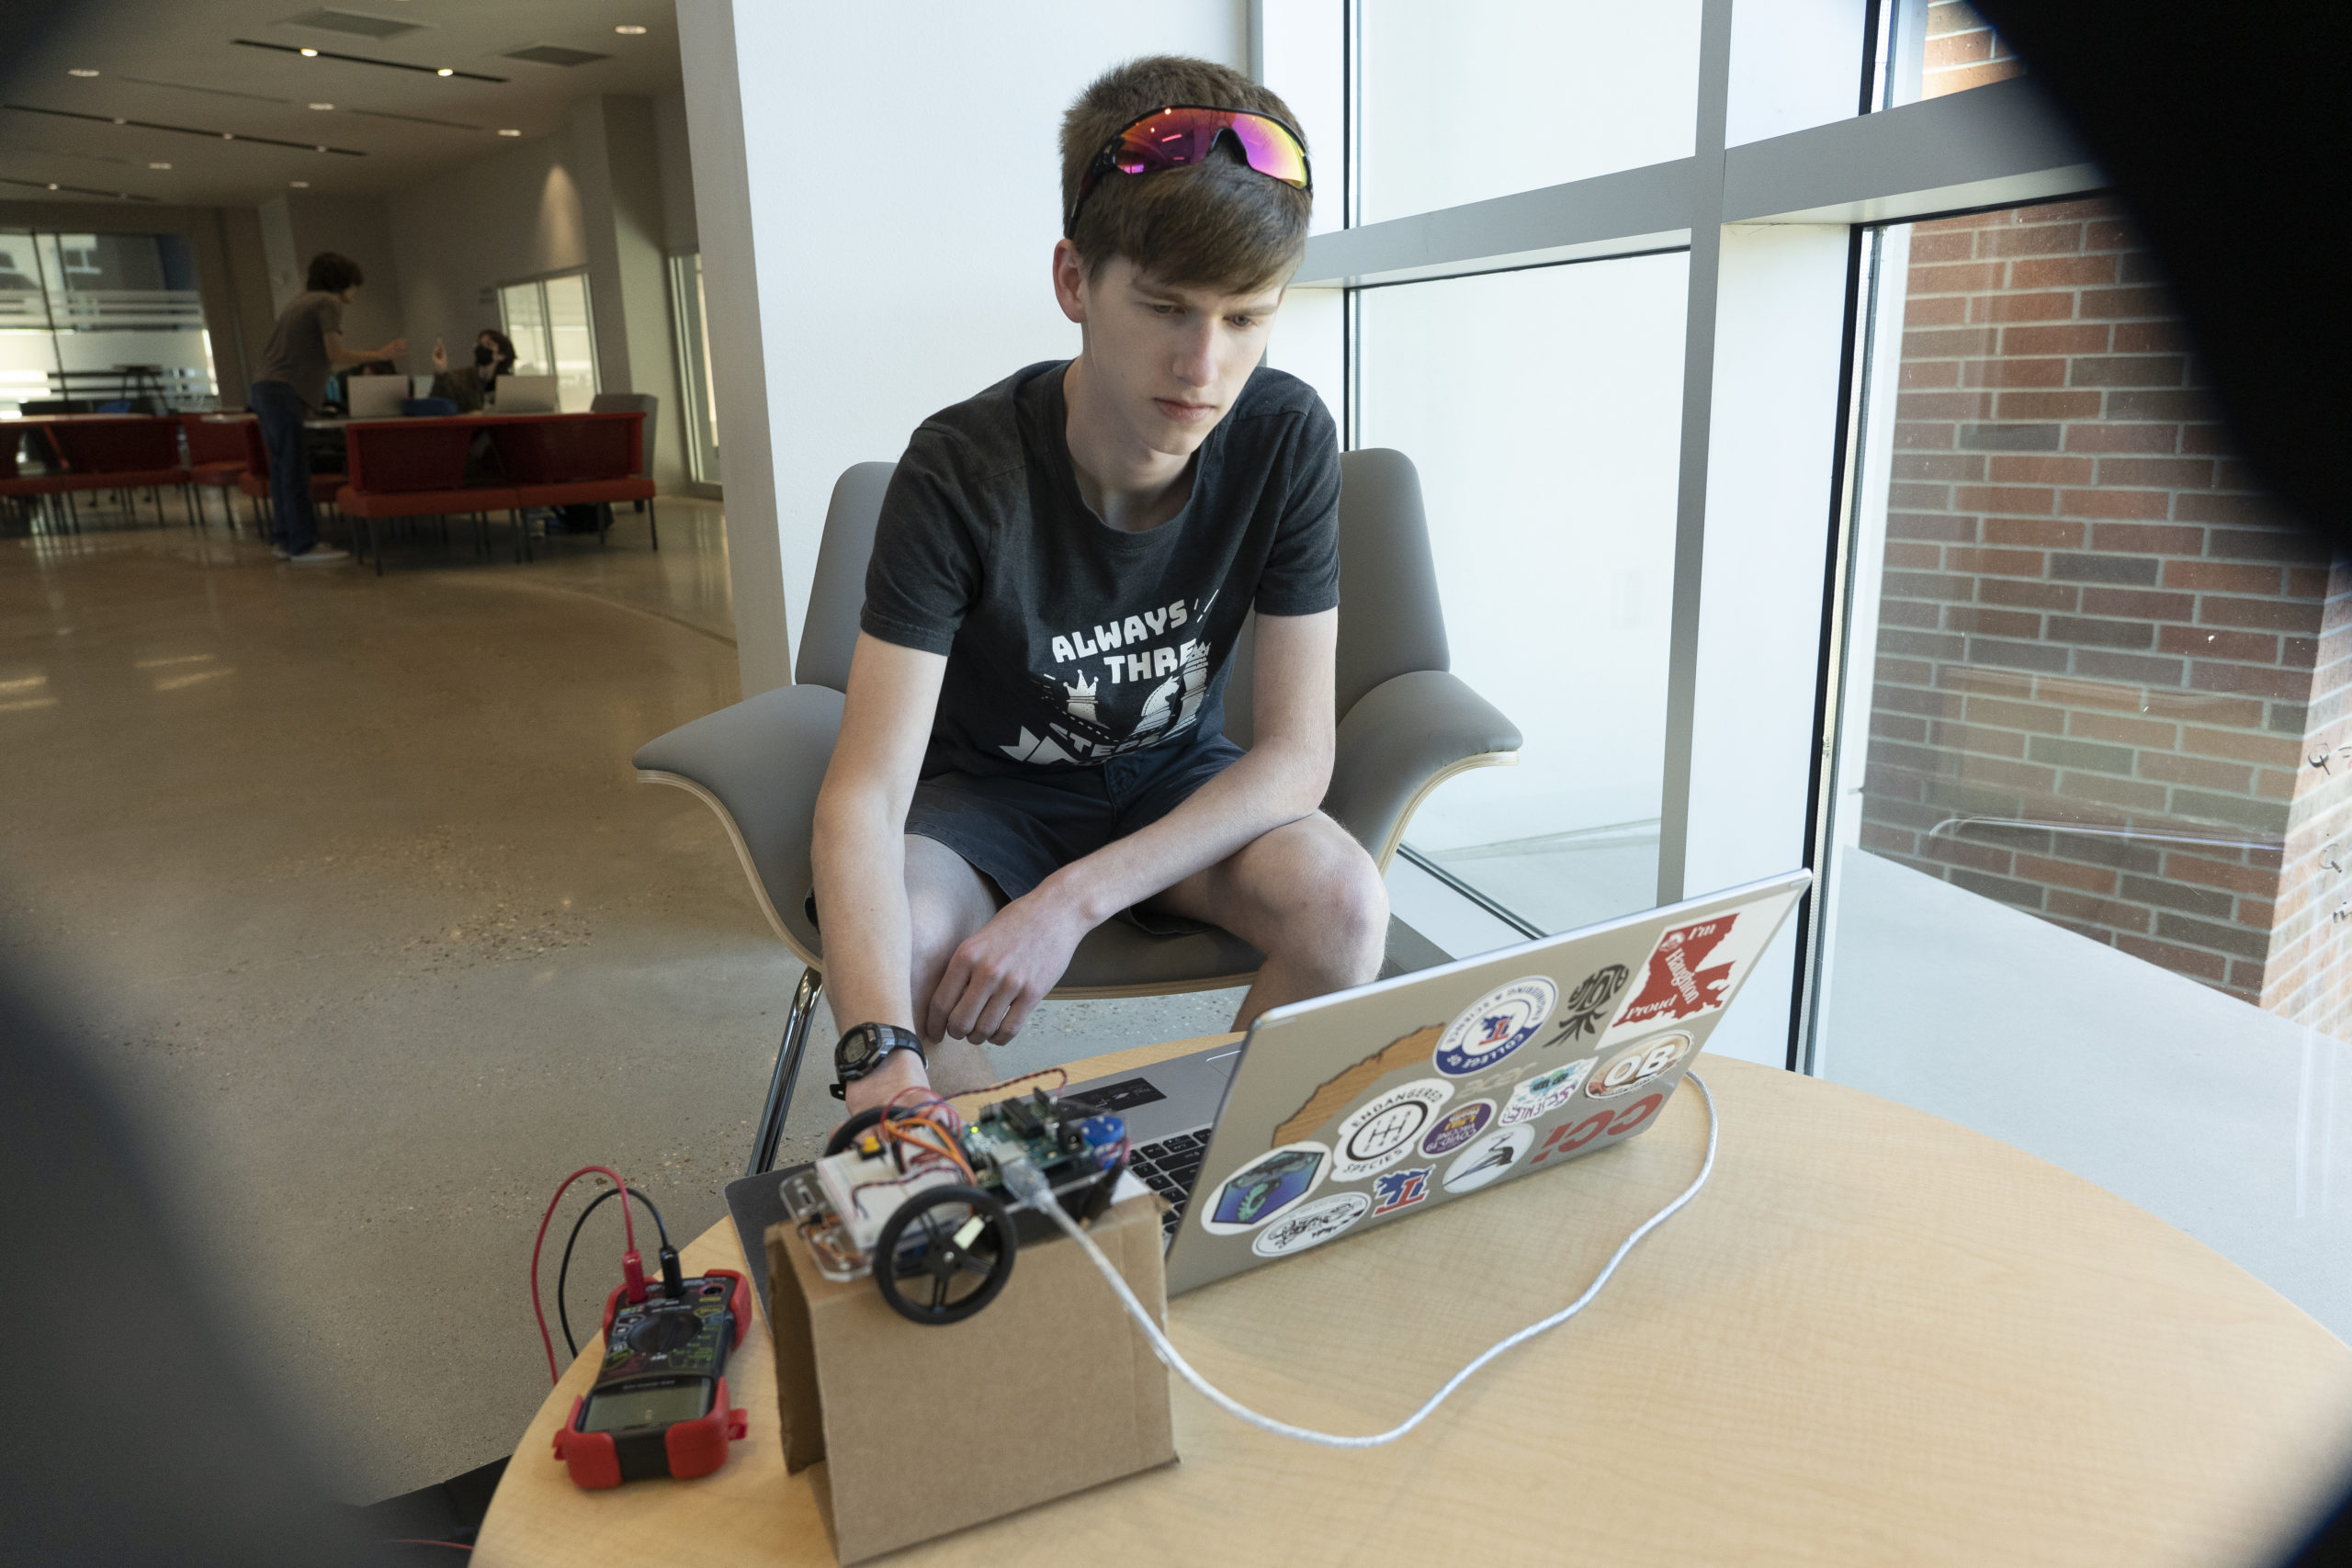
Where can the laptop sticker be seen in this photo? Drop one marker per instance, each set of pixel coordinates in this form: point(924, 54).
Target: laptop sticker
point(1640, 1063)
point(1401, 1188)
point(1586, 1013)
point(1493, 1156)
point(1692, 971)
point(1457, 1127)
point(1495, 1025)
point(1546, 1092)
point(1567, 1138)
point(1310, 1225)
point(1336, 1093)
point(1381, 1132)
point(1267, 1187)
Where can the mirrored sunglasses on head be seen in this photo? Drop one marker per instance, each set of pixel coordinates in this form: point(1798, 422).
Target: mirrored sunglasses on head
point(1184, 135)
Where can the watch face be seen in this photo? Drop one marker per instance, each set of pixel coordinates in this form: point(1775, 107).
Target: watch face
point(860, 1046)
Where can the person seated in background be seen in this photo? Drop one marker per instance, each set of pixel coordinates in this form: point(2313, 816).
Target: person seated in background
point(471, 386)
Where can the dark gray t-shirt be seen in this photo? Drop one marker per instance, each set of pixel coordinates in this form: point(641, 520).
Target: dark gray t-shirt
point(296, 353)
point(1069, 642)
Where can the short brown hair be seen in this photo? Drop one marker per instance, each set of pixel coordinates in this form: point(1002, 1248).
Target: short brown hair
point(332, 273)
point(1216, 224)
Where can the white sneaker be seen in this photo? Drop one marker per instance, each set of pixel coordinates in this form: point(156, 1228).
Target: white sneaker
point(280, 552)
point(319, 555)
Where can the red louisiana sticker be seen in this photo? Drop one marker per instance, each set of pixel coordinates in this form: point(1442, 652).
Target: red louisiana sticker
point(1680, 982)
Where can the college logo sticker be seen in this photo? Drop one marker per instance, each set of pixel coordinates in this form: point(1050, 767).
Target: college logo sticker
point(1494, 1156)
point(1640, 1064)
point(1494, 1026)
point(1401, 1189)
point(1310, 1225)
point(1381, 1132)
point(1267, 1187)
point(1546, 1092)
point(1457, 1127)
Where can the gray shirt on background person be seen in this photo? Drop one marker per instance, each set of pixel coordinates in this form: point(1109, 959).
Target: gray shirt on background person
point(296, 353)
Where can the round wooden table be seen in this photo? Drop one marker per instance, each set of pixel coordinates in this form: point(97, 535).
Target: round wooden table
point(1874, 1337)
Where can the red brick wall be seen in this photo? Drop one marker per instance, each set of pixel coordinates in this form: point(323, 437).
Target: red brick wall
point(2090, 620)
point(1962, 51)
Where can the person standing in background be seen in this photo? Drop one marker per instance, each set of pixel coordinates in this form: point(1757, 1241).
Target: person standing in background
point(304, 347)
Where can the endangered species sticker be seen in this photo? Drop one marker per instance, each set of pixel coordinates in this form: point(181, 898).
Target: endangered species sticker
point(1381, 1132)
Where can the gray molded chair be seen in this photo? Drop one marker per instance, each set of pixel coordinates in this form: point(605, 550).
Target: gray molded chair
point(649, 406)
point(1405, 726)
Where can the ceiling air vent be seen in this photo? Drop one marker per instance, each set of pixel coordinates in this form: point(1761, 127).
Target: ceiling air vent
point(356, 23)
point(554, 54)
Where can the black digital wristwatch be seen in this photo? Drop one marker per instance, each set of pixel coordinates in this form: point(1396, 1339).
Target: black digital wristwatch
point(864, 1049)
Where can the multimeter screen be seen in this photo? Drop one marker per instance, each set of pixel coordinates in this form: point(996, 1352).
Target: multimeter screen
point(619, 1409)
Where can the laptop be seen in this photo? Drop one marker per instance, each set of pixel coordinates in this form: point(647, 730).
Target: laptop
point(374, 397)
point(1346, 1112)
point(526, 394)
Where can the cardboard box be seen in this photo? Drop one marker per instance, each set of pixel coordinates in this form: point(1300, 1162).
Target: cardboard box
point(1048, 1389)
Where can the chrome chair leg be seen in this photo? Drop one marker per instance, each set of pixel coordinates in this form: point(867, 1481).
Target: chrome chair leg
point(789, 1052)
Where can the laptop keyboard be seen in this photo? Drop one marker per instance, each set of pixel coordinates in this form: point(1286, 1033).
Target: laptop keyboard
point(1169, 1167)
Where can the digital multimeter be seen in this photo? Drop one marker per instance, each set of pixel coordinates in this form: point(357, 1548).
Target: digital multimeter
point(658, 1407)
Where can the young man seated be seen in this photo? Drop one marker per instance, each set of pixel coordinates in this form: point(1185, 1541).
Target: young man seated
point(1033, 742)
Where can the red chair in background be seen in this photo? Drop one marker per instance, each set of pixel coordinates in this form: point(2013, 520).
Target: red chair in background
point(576, 460)
point(416, 468)
point(118, 452)
point(217, 459)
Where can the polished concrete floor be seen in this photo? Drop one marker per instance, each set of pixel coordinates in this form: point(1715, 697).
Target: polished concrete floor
point(348, 884)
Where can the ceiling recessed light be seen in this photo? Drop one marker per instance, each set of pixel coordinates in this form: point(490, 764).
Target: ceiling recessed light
point(323, 105)
point(445, 70)
point(631, 28)
point(119, 121)
point(309, 54)
point(319, 149)
point(299, 184)
point(52, 185)
point(227, 136)
point(159, 165)
point(503, 131)
point(78, 70)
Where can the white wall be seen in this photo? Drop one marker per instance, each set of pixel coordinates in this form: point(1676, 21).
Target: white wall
point(897, 271)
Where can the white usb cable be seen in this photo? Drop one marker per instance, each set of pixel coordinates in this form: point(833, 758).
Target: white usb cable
point(1029, 1185)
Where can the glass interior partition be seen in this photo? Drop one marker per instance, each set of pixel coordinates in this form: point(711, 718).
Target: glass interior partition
point(1542, 410)
point(102, 319)
point(572, 341)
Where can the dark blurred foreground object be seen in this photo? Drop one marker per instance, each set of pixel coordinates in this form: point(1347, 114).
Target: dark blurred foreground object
point(2223, 125)
point(135, 1434)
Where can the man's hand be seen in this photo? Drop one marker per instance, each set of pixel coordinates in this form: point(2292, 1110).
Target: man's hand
point(1005, 968)
point(440, 356)
point(393, 349)
point(900, 1071)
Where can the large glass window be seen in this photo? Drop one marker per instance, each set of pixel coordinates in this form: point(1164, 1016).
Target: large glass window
point(1542, 410)
point(101, 319)
point(690, 322)
point(2087, 887)
point(1927, 51)
point(554, 334)
point(1479, 98)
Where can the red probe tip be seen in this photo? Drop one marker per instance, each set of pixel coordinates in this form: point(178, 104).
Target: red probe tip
point(633, 1274)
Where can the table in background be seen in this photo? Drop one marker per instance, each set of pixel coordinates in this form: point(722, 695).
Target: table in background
point(1874, 1337)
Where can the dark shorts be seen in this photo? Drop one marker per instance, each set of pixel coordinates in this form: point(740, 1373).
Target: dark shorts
point(1019, 831)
